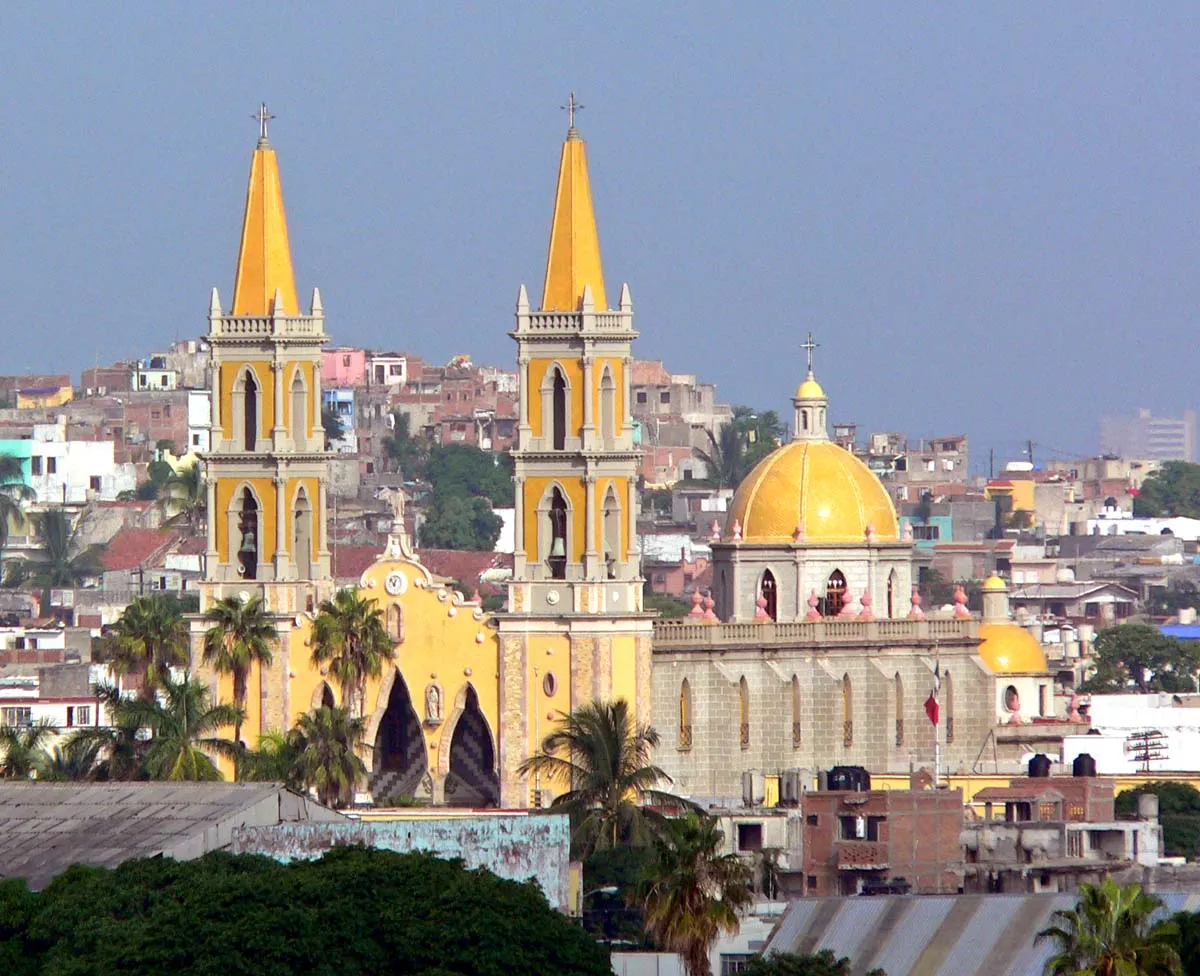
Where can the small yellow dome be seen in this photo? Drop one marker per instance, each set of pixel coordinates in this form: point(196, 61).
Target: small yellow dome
point(993, 584)
point(1009, 649)
point(818, 483)
point(810, 389)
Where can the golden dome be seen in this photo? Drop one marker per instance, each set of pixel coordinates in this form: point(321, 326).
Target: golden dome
point(993, 584)
point(810, 389)
point(1009, 649)
point(820, 484)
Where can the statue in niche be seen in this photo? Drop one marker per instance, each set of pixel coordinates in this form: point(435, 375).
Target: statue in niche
point(433, 704)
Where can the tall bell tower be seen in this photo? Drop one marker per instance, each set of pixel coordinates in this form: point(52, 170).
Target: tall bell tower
point(575, 630)
point(267, 464)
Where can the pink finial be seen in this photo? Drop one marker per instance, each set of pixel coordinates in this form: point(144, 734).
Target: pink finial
point(916, 613)
point(798, 535)
point(907, 535)
point(760, 608)
point(697, 599)
point(709, 616)
point(960, 602)
point(870, 531)
point(865, 602)
point(847, 605)
point(813, 602)
point(716, 532)
point(737, 531)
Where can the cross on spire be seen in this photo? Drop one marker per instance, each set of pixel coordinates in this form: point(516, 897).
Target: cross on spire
point(571, 108)
point(263, 118)
point(808, 346)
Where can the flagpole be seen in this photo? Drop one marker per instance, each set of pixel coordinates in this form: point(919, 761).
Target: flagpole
point(937, 725)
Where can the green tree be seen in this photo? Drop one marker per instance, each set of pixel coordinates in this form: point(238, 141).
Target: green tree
point(1188, 924)
point(274, 761)
point(148, 639)
point(695, 891)
point(666, 605)
point(460, 522)
point(1174, 489)
point(241, 636)
point(601, 758)
point(186, 495)
point(822, 963)
point(72, 762)
point(408, 454)
point(1170, 599)
point(349, 637)
point(1144, 657)
point(463, 470)
point(324, 743)
point(1178, 812)
point(117, 748)
point(335, 430)
point(183, 727)
point(13, 491)
point(740, 444)
point(65, 562)
point(1110, 932)
point(355, 911)
point(24, 748)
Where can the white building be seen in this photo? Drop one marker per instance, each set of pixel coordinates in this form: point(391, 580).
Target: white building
point(199, 420)
point(67, 701)
point(387, 369)
point(1115, 521)
point(1155, 733)
point(70, 472)
point(153, 373)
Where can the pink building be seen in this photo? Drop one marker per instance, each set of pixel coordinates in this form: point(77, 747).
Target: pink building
point(343, 366)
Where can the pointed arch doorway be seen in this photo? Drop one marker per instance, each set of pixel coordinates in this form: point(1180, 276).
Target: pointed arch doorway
point(472, 780)
point(400, 760)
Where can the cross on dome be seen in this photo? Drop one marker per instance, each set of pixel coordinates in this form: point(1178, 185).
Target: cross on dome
point(808, 346)
point(572, 106)
point(263, 118)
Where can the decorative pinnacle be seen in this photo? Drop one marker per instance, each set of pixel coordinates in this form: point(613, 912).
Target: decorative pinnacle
point(808, 346)
point(263, 118)
point(571, 108)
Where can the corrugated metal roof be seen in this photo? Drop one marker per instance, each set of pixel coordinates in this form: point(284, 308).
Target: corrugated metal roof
point(933, 935)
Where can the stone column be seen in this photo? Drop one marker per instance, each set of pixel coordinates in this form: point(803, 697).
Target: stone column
point(519, 552)
point(215, 435)
point(314, 428)
point(630, 521)
point(627, 376)
point(281, 546)
point(589, 423)
point(277, 430)
point(323, 550)
point(523, 394)
point(591, 557)
point(211, 556)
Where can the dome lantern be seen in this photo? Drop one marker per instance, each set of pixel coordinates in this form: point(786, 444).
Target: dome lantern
point(810, 403)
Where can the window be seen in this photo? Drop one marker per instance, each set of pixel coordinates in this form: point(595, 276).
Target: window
point(51, 465)
point(641, 397)
point(560, 411)
point(927, 533)
point(852, 828)
point(685, 716)
point(94, 482)
point(83, 714)
point(847, 713)
point(744, 711)
point(770, 598)
point(167, 407)
point(395, 623)
point(14, 715)
point(156, 415)
point(195, 440)
point(664, 397)
point(733, 963)
point(345, 360)
point(835, 593)
point(35, 464)
point(812, 820)
point(749, 837)
point(550, 684)
point(811, 884)
point(796, 726)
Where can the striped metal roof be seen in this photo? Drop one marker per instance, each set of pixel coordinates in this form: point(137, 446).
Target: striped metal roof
point(933, 935)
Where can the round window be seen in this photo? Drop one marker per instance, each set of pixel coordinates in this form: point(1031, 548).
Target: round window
point(549, 684)
point(1012, 701)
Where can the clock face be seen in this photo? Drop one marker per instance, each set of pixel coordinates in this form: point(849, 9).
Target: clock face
point(396, 583)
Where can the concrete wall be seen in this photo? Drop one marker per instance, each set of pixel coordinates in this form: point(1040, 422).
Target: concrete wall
point(514, 847)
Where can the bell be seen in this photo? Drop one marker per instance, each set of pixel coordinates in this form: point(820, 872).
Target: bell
point(248, 543)
point(558, 548)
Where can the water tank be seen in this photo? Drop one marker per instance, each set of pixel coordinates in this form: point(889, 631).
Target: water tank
point(849, 778)
point(1039, 766)
point(1084, 765)
point(1147, 806)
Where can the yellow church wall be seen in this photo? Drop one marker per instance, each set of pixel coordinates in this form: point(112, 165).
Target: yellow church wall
point(617, 367)
point(264, 490)
point(573, 371)
point(576, 495)
point(231, 369)
point(624, 672)
point(548, 654)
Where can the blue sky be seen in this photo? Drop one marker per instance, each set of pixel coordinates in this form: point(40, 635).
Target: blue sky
point(987, 216)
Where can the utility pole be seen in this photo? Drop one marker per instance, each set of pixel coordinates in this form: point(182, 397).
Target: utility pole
point(1029, 448)
point(991, 463)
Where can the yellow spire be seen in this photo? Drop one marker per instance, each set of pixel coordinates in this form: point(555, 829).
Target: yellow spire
point(574, 260)
point(265, 260)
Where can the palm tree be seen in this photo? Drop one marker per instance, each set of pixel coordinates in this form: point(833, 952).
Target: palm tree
point(724, 457)
point(1110, 932)
point(350, 638)
point(24, 748)
point(602, 758)
point(149, 639)
point(13, 491)
point(693, 892)
point(325, 741)
point(182, 727)
point(274, 761)
point(65, 563)
point(241, 635)
point(186, 494)
point(74, 761)
point(119, 747)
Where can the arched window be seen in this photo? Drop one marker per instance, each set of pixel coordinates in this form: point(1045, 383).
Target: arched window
point(796, 726)
point(685, 715)
point(804, 420)
point(299, 412)
point(744, 712)
point(891, 594)
point(835, 594)
point(302, 519)
point(608, 406)
point(558, 535)
point(395, 623)
point(847, 713)
point(248, 536)
point(250, 410)
point(899, 710)
point(612, 532)
point(770, 594)
point(948, 685)
point(559, 408)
